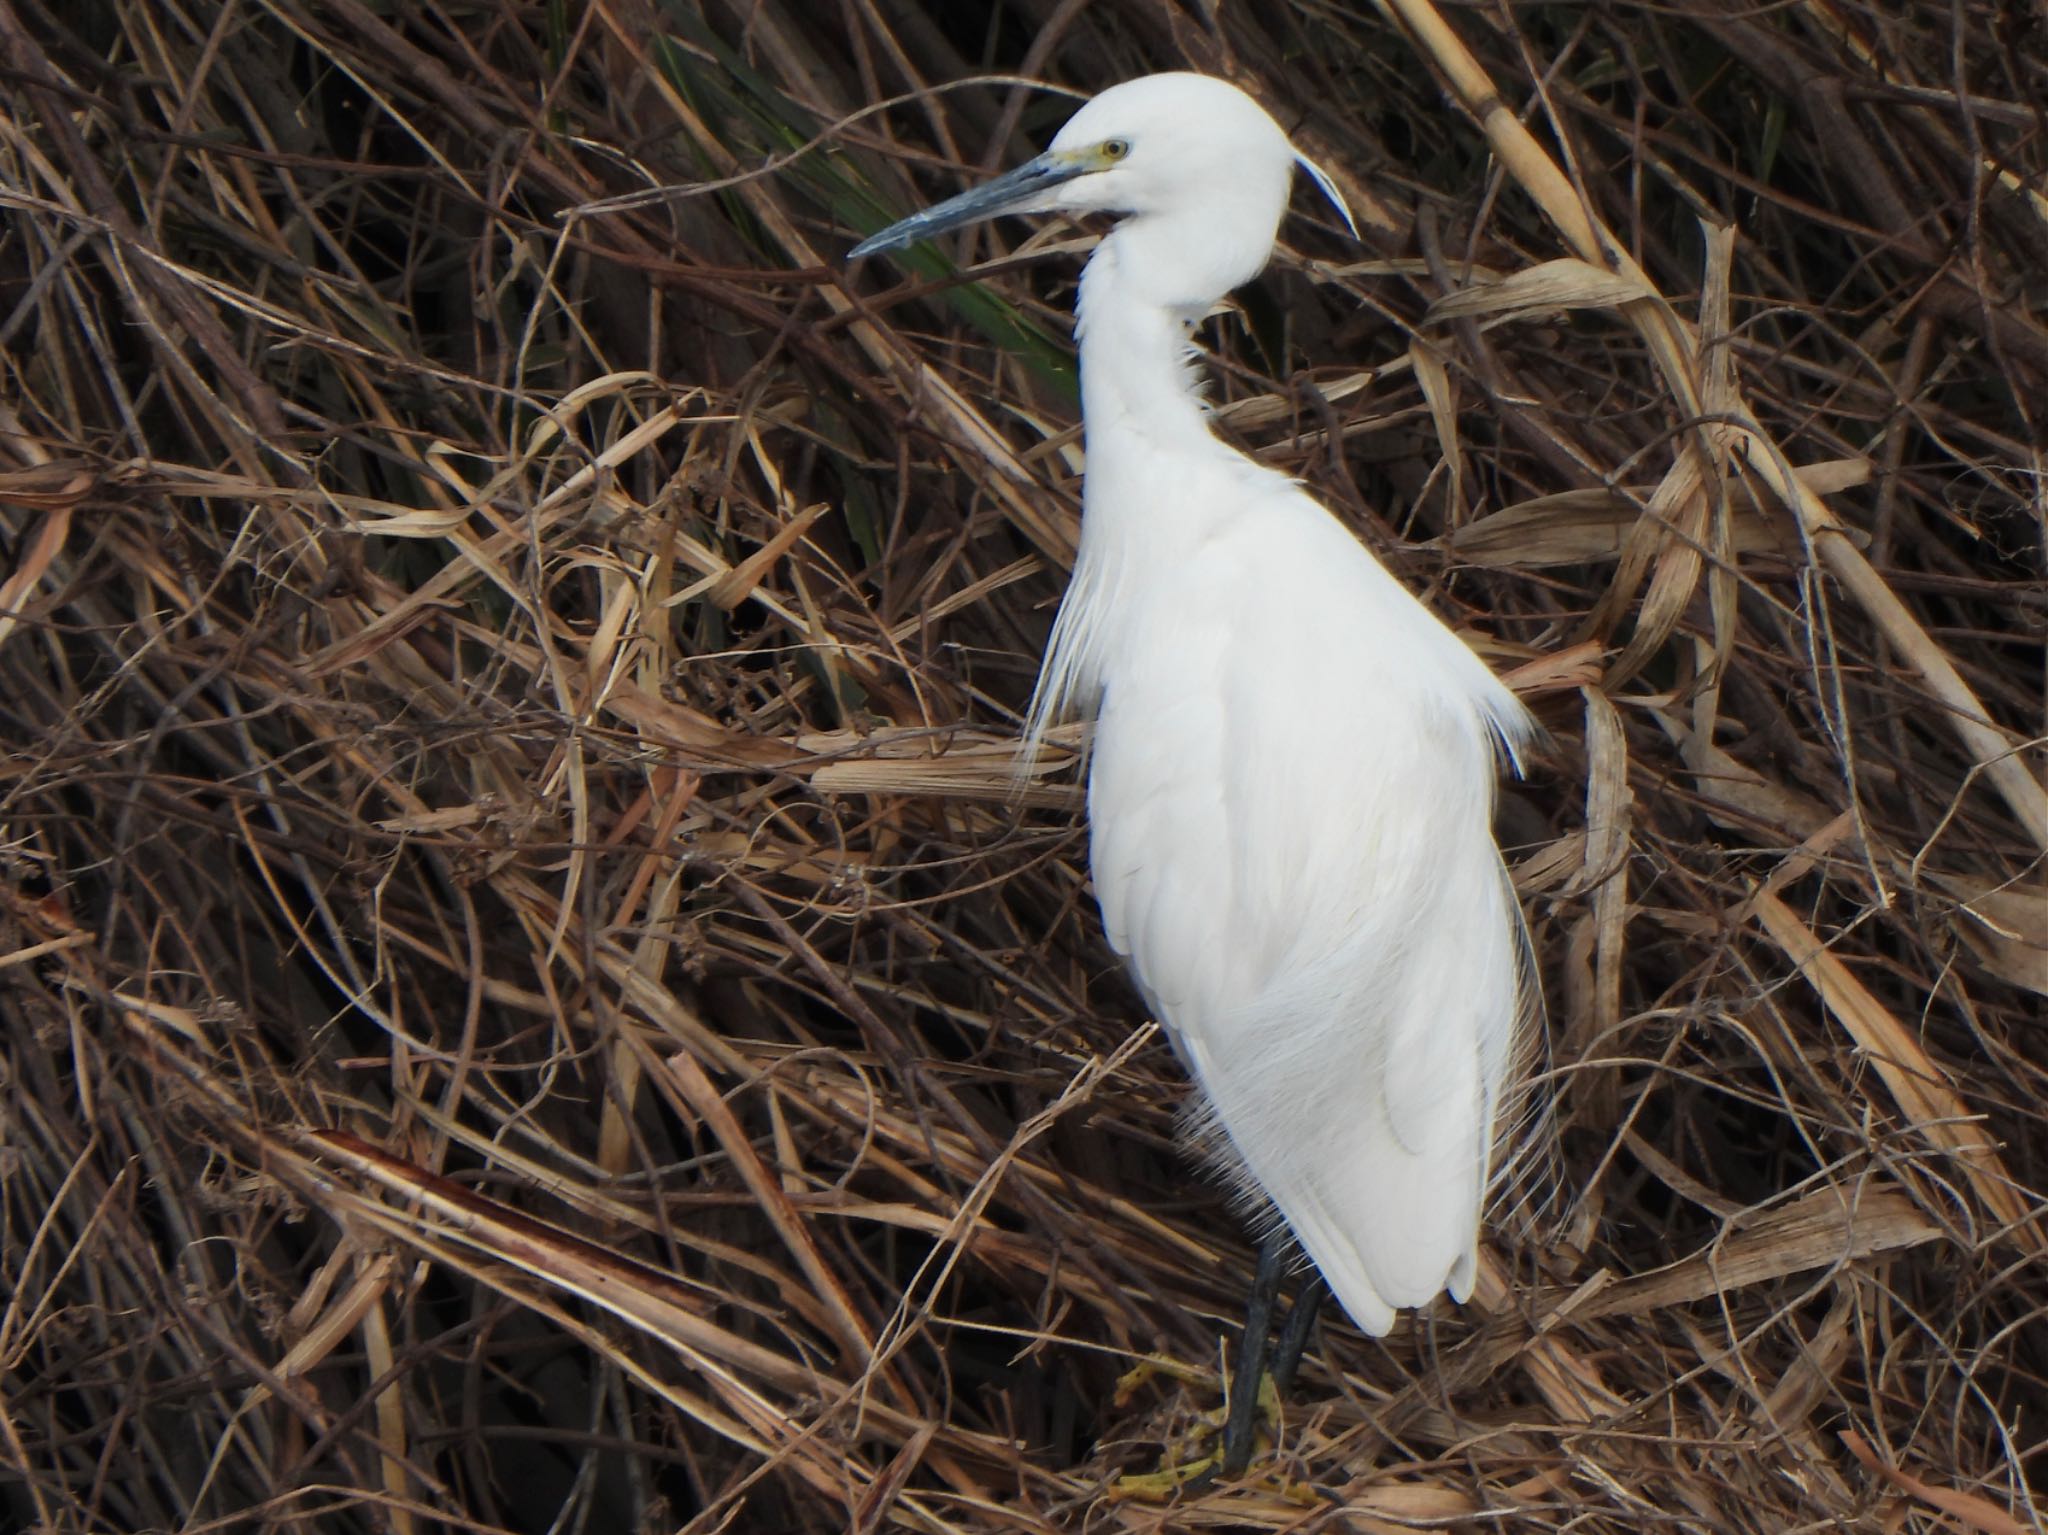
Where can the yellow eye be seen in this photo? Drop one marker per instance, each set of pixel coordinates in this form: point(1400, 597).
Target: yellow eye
point(1115, 149)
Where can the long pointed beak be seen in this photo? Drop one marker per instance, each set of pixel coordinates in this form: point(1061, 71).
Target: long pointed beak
point(1017, 191)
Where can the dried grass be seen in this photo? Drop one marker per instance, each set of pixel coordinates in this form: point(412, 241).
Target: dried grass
point(532, 1003)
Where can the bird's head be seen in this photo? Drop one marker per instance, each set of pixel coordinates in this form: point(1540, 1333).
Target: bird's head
point(1203, 169)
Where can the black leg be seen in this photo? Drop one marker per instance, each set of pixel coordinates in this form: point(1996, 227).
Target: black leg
point(1294, 1336)
point(1251, 1358)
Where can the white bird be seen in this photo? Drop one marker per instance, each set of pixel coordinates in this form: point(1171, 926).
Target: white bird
point(1292, 767)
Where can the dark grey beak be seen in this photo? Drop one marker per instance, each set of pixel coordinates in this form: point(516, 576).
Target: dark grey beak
point(1015, 192)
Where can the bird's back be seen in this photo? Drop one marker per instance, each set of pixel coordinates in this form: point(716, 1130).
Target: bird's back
point(1290, 797)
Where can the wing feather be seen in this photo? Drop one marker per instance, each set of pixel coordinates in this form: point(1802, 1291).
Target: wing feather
point(1291, 807)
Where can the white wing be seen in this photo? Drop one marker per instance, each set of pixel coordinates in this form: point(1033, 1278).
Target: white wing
point(1291, 806)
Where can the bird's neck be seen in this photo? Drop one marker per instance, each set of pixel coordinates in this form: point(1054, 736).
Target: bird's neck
point(1150, 450)
point(1138, 379)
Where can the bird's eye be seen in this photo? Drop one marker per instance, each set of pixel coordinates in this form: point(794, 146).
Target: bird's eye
point(1115, 149)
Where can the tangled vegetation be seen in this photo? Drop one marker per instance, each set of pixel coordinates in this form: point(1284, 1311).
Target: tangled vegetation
point(534, 999)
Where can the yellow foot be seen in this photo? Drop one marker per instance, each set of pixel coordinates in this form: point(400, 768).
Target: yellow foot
point(1199, 1452)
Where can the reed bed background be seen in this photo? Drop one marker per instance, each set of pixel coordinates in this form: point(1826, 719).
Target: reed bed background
point(533, 998)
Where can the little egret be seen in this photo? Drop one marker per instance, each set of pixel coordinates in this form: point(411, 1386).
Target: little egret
point(1291, 773)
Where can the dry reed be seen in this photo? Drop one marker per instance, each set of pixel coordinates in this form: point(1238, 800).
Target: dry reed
point(532, 1000)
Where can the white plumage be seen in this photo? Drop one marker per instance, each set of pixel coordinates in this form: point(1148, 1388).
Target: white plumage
point(1292, 774)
